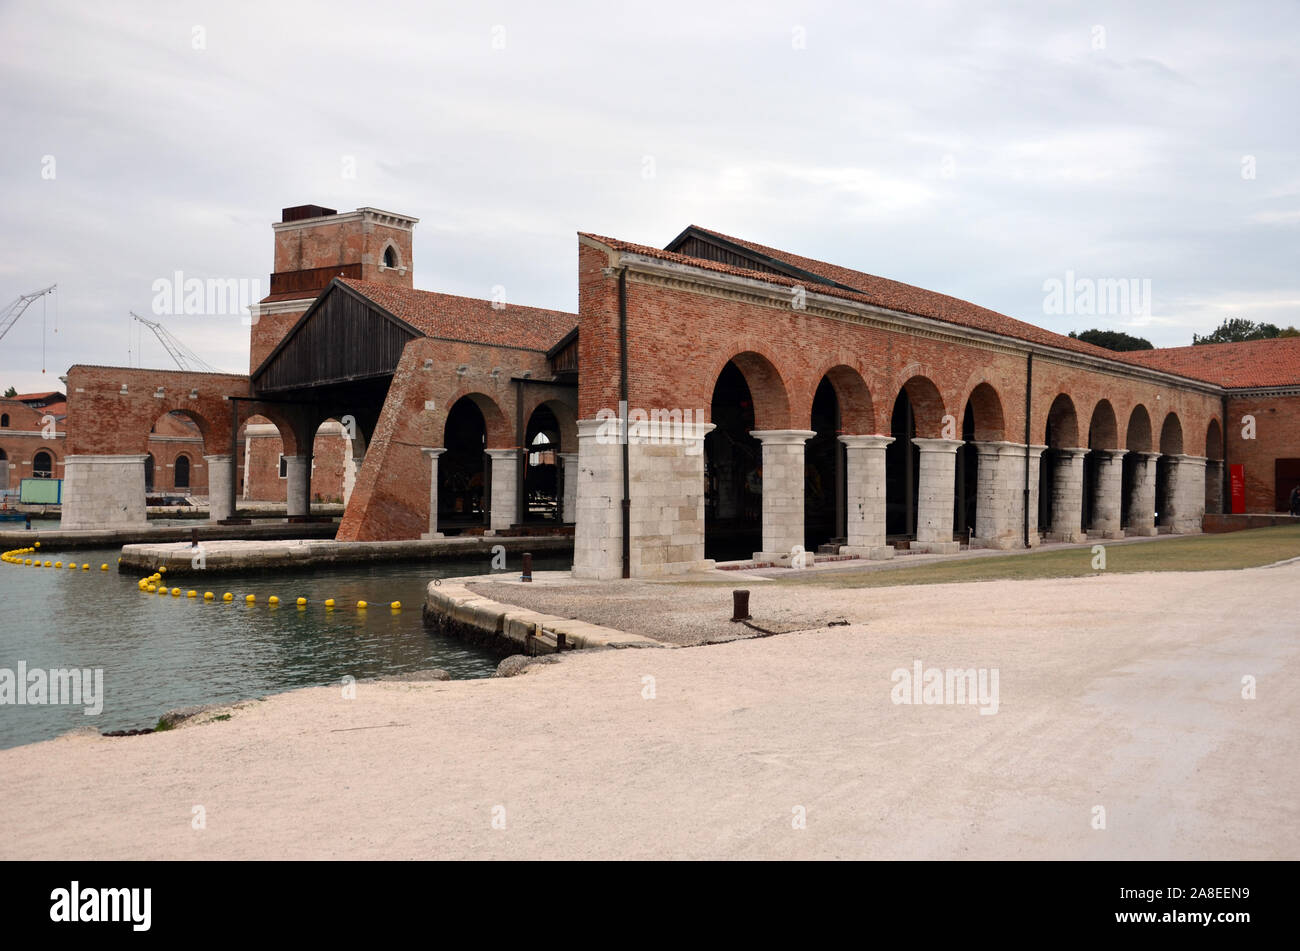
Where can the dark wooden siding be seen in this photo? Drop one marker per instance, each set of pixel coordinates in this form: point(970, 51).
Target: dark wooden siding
point(342, 339)
point(312, 280)
point(697, 247)
point(566, 361)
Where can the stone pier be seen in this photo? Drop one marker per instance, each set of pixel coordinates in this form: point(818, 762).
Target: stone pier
point(221, 472)
point(103, 492)
point(1186, 494)
point(569, 474)
point(432, 455)
point(935, 495)
point(1108, 495)
point(1067, 496)
point(1142, 495)
point(783, 495)
point(297, 487)
point(504, 492)
point(865, 498)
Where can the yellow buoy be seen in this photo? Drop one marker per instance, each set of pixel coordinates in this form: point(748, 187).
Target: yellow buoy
point(163, 590)
point(47, 564)
point(396, 605)
point(104, 567)
point(58, 564)
point(272, 600)
point(152, 588)
point(329, 602)
point(301, 602)
point(36, 544)
point(191, 594)
point(362, 604)
point(227, 597)
point(250, 598)
point(207, 595)
point(161, 570)
point(85, 567)
point(176, 592)
point(72, 566)
point(29, 561)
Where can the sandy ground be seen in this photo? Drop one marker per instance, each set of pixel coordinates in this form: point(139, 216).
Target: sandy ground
point(1122, 692)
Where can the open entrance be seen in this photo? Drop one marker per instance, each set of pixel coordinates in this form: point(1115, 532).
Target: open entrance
point(463, 469)
point(1061, 432)
point(902, 471)
point(1171, 444)
point(1137, 440)
point(824, 472)
point(733, 472)
point(542, 467)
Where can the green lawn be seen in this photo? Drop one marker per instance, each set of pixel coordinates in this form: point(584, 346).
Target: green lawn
point(1248, 549)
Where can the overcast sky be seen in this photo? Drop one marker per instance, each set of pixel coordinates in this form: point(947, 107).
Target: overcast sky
point(976, 149)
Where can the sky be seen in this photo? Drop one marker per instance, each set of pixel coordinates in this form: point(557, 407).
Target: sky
point(988, 151)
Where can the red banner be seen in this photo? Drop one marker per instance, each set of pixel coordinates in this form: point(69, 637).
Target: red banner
point(1237, 481)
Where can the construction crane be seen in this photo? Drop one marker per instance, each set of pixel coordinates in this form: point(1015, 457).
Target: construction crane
point(9, 316)
point(185, 358)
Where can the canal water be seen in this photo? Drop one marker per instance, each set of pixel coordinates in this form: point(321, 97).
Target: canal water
point(159, 653)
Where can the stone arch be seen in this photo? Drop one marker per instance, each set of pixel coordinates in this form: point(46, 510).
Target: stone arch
point(857, 413)
point(1171, 435)
point(1062, 427)
point(500, 434)
point(1103, 428)
point(1214, 440)
point(985, 405)
point(566, 418)
point(928, 407)
point(1137, 435)
point(767, 386)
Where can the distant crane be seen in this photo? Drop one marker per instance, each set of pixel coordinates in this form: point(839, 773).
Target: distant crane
point(9, 316)
point(185, 358)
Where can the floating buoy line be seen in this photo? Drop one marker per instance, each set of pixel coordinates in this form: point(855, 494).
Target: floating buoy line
point(153, 584)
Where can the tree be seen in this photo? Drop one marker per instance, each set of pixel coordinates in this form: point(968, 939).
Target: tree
point(1112, 340)
point(10, 392)
point(1237, 329)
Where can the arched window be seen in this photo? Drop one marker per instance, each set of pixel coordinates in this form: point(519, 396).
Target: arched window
point(182, 472)
point(42, 465)
point(390, 256)
point(4, 420)
point(148, 472)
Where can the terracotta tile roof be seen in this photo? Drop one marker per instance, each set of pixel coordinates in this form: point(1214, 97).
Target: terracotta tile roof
point(467, 318)
point(1251, 363)
point(869, 289)
point(33, 397)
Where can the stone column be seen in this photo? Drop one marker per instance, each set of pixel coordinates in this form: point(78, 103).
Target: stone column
point(935, 497)
point(1214, 486)
point(1187, 493)
point(297, 486)
point(1142, 495)
point(1108, 494)
point(865, 499)
point(999, 491)
point(432, 455)
point(1067, 497)
point(103, 492)
point(504, 491)
point(221, 472)
point(1035, 459)
point(569, 502)
point(783, 494)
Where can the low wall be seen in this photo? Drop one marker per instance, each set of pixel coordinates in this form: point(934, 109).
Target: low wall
point(1217, 524)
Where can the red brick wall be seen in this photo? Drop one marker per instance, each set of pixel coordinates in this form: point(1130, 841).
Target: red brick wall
point(22, 439)
point(1277, 436)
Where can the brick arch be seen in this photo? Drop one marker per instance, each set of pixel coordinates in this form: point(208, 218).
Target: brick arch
point(767, 387)
point(986, 406)
point(1171, 435)
point(1137, 435)
point(1214, 439)
point(928, 408)
point(1063, 421)
point(281, 420)
point(565, 415)
point(1103, 428)
point(499, 432)
point(857, 413)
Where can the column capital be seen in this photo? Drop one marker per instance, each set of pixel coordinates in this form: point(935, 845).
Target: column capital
point(1073, 452)
point(1184, 460)
point(502, 453)
point(937, 445)
point(1111, 453)
point(866, 442)
point(433, 453)
point(783, 437)
point(998, 447)
point(1143, 455)
point(222, 457)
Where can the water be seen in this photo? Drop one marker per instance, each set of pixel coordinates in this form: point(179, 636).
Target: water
point(160, 653)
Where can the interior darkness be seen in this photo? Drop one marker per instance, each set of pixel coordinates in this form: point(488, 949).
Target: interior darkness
point(902, 471)
point(733, 474)
point(462, 470)
point(824, 471)
point(965, 501)
point(541, 475)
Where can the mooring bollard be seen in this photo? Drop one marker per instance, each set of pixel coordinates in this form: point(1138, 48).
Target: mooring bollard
point(528, 567)
point(740, 605)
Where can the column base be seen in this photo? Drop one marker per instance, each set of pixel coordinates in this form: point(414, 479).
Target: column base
point(874, 553)
point(935, 548)
point(1146, 532)
point(1072, 538)
point(1001, 543)
point(430, 536)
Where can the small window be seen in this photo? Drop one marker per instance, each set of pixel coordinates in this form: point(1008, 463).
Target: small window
point(4, 420)
point(182, 472)
point(42, 465)
point(284, 467)
point(390, 256)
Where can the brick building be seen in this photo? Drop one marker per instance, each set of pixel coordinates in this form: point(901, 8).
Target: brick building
point(775, 404)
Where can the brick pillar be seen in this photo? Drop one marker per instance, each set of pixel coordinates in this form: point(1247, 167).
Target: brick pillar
point(103, 492)
point(783, 493)
point(1067, 497)
point(1142, 495)
point(1214, 486)
point(865, 498)
point(432, 455)
point(297, 485)
point(504, 492)
point(569, 471)
point(1108, 494)
point(221, 472)
point(935, 495)
point(1187, 492)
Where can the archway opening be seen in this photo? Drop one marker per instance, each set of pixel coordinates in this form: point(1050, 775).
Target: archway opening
point(824, 472)
point(1137, 440)
point(181, 478)
point(176, 435)
point(1214, 468)
point(463, 470)
point(541, 472)
point(1171, 444)
point(902, 471)
point(733, 472)
point(1060, 432)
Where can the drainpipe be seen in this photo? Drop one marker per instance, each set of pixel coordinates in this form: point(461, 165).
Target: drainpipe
point(1225, 481)
point(622, 395)
point(521, 505)
point(1029, 389)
